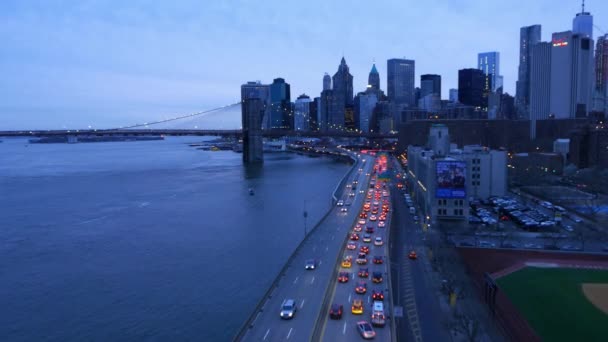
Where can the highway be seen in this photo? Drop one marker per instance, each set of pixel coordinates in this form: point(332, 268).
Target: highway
point(345, 328)
point(307, 287)
point(412, 283)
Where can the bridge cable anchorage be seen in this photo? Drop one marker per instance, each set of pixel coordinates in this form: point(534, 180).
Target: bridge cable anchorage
point(173, 119)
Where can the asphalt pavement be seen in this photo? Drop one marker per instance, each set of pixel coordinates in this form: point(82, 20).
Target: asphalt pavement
point(307, 287)
point(412, 282)
point(344, 293)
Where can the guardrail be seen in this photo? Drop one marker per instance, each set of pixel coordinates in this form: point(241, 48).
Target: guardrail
point(390, 283)
point(340, 187)
point(259, 307)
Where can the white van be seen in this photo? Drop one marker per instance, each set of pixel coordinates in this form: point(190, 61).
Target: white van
point(378, 318)
point(412, 210)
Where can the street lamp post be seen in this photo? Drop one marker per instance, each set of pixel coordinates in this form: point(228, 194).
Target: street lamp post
point(305, 214)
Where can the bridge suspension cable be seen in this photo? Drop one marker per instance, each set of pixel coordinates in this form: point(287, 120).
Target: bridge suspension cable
point(175, 118)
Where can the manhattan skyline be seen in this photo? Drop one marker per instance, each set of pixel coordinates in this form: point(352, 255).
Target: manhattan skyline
point(115, 64)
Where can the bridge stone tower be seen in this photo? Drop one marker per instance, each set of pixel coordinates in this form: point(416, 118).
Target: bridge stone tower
point(252, 113)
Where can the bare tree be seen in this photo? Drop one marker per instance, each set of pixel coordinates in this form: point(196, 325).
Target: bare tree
point(466, 325)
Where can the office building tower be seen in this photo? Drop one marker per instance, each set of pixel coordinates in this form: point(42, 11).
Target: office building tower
point(582, 24)
point(489, 63)
point(600, 92)
point(401, 81)
point(302, 113)
point(374, 79)
point(326, 82)
point(453, 95)
point(280, 105)
point(325, 108)
point(471, 85)
point(528, 36)
point(315, 105)
point(365, 102)
point(342, 96)
point(571, 75)
point(540, 84)
point(430, 84)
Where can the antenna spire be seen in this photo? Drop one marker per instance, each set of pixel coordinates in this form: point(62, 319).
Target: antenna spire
point(583, 7)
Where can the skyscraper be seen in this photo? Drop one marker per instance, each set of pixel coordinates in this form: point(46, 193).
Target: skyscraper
point(471, 83)
point(257, 90)
point(489, 63)
point(540, 84)
point(453, 95)
point(326, 82)
point(600, 93)
point(528, 36)
point(365, 103)
point(401, 81)
point(430, 84)
point(302, 113)
point(582, 24)
point(374, 79)
point(571, 75)
point(280, 105)
point(342, 96)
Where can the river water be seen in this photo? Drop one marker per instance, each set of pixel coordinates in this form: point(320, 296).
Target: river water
point(146, 240)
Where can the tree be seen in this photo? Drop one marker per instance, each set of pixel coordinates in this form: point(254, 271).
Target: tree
point(466, 325)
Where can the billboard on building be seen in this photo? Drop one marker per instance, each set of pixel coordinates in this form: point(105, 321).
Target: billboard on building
point(451, 179)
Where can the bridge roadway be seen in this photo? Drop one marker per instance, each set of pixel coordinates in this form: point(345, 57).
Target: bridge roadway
point(413, 282)
point(273, 133)
point(305, 286)
point(344, 293)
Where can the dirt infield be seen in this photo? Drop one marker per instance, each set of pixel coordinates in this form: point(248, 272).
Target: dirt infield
point(598, 295)
point(497, 263)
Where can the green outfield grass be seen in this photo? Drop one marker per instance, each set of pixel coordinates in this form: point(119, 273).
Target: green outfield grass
point(553, 302)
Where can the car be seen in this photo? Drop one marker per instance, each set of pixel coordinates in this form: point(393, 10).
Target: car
point(377, 260)
point(347, 262)
point(311, 264)
point(343, 277)
point(373, 218)
point(378, 318)
point(357, 228)
point(351, 245)
point(361, 287)
point(377, 277)
point(361, 221)
point(340, 203)
point(375, 211)
point(357, 307)
point(377, 295)
point(381, 224)
point(576, 219)
point(335, 311)
point(378, 241)
point(363, 215)
point(416, 218)
point(364, 249)
point(361, 259)
point(288, 309)
point(367, 238)
point(354, 236)
point(366, 330)
point(568, 228)
point(344, 209)
point(363, 272)
point(382, 217)
point(369, 229)
point(352, 194)
point(361, 191)
point(412, 255)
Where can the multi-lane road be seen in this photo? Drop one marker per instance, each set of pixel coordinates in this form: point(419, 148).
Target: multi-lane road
point(413, 286)
point(344, 294)
point(307, 287)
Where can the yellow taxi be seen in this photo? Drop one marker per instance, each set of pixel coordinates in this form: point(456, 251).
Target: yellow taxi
point(347, 262)
point(357, 307)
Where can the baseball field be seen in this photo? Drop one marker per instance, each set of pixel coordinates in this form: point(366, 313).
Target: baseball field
point(561, 304)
